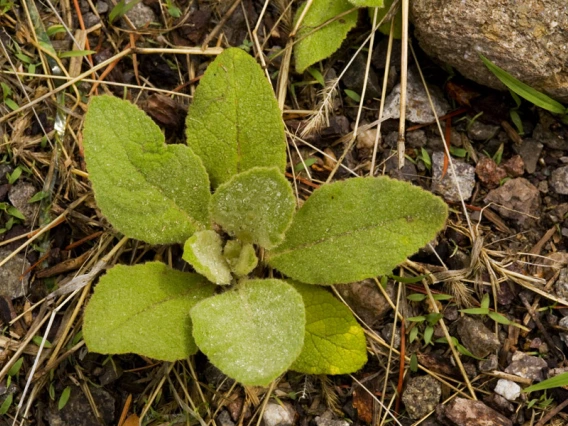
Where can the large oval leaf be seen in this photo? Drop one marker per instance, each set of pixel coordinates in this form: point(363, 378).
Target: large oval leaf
point(253, 333)
point(234, 123)
point(144, 309)
point(334, 342)
point(148, 190)
point(318, 39)
point(256, 206)
point(356, 229)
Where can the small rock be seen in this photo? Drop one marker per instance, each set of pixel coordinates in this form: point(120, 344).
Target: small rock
point(386, 332)
point(91, 19)
point(367, 301)
point(417, 107)
point(366, 139)
point(508, 389)
point(278, 415)
point(102, 7)
point(564, 324)
point(518, 200)
point(327, 419)
point(481, 132)
point(477, 338)
point(561, 284)
point(19, 196)
point(530, 151)
point(497, 402)
point(546, 133)
point(224, 419)
point(489, 172)
point(140, 15)
point(10, 284)
point(514, 166)
point(466, 412)
point(559, 180)
point(416, 139)
point(421, 396)
point(489, 364)
point(355, 76)
point(446, 187)
point(528, 367)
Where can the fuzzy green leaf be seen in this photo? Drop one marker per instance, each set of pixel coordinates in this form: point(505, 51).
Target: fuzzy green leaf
point(204, 251)
point(357, 229)
point(144, 309)
point(252, 333)
point(148, 190)
point(367, 3)
point(318, 38)
point(334, 342)
point(241, 257)
point(256, 206)
point(234, 123)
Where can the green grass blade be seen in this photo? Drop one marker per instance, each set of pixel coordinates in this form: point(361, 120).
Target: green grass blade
point(553, 382)
point(523, 90)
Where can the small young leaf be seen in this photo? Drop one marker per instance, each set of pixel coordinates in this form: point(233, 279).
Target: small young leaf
point(442, 297)
point(15, 368)
point(497, 317)
point(413, 335)
point(64, 398)
point(148, 190)
point(554, 382)
point(356, 229)
point(204, 251)
point(416, 297)
point(413, 363)
point(485, 301)
point(428, 333)
point(6, 404)
point(75, 53)
point(353, 95)
point(38, 196)
point(416, 319)
point(11, 104)
point(256, 206)
point(334, 342)
point(318, 38)
point(524, 90)
point(315, 73)
point(234, 123)
point(38, 341)
point(252, 333)
point(475, 311)
point(144, 309)
point(13, 211)
point(13, 177)
point(240, 257)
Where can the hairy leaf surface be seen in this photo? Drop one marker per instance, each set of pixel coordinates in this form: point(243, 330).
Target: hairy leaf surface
point(355, 229)
point(334, 342)
point(256, 206)
point(144, 309)
point(253, 333)
point(148, 190)
point(318, 39)
point(204, 251)
point(234, 123)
